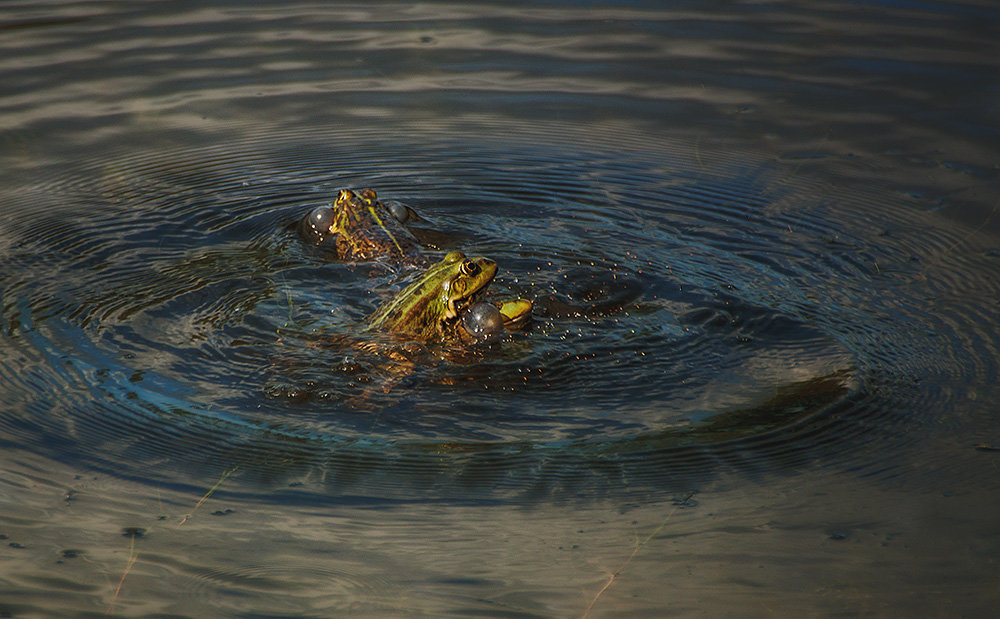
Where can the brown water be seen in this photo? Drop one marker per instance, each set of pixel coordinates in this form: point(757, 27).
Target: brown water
point(763, 245)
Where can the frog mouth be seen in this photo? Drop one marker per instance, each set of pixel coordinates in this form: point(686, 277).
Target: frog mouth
point(457, 306)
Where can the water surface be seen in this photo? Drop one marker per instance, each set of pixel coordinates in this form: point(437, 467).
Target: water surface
point(762, 244)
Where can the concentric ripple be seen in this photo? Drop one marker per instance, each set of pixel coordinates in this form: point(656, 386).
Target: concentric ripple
point(158, 308)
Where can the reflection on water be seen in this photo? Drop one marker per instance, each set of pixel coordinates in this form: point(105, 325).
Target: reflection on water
point(760, 241)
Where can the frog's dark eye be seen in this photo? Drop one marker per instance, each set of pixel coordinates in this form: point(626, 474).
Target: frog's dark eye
point(470, 268)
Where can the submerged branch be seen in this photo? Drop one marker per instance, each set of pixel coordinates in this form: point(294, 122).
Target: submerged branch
point(205, 497)
point(638, 546)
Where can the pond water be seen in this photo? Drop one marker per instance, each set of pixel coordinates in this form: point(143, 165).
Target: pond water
point(761, 239)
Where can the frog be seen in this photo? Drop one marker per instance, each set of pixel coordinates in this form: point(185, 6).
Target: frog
point(445, 304)
point(362, 228)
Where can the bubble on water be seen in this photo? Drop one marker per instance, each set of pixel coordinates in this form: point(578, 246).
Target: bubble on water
point(483, 320)
point(400, 212)
point(316, 224)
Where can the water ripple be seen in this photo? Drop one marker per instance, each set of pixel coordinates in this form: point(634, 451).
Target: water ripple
point(161, 309)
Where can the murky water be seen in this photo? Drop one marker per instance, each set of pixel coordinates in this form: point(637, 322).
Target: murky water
point(762, 244)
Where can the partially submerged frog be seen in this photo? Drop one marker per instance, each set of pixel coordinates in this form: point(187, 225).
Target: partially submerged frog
point(362, 228)
point(445, 304)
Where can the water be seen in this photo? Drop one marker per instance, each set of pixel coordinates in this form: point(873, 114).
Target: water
point(761, 239)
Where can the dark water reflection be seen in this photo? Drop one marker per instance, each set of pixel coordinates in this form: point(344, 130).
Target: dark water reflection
point(762, 244)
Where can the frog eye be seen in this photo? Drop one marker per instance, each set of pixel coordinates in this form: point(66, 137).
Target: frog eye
point(345, 195)
point(470, 268)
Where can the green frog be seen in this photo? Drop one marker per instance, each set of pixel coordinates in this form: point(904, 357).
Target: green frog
point(362, 228)
point(445, 304)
